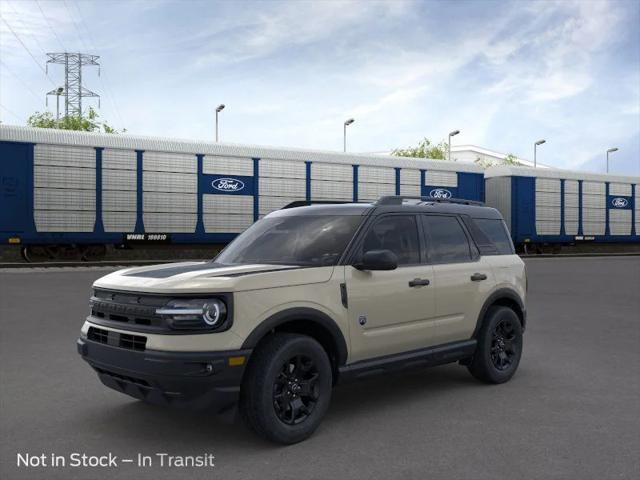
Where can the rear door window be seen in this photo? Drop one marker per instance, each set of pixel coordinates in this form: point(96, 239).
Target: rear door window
point(496, 232)
point(447, 241)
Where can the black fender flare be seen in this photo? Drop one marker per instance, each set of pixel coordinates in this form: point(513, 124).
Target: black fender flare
point(301, 314)
point(495, 297)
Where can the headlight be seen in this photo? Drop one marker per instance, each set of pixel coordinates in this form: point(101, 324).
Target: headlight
point(181, 314)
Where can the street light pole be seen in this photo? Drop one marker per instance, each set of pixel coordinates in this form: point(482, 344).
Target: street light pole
point(58, 93)
point(611, 150)
point(344, 137)
point(218, 110)
point(535, 146)
point(452, 134)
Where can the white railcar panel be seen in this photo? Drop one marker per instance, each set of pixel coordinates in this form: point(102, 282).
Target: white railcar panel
point(548, 213)
point(571, 200)
point(571, 186)
point(169, 202)
point(216, 165)
point(623, 189)
point(64, 156)
point(409, 176)
point(169, 162)
point(169, 222)
point(331, 171)
point(169, 182)
point(282, 169)
point(119, 180)
point(411, 190)
point(64, 221)
point(119, 221)
point(594, 215)
point(547, 199)
point(367, 174)
point(228, 204)
point(119, 159)
point(593, 228)
point(594, 201)
point(373, 191)
point(440, 178)
point(594, 188)
point(283, 187)
point(216, 223)
point(64, 199)
point(64, 177)
point(270, 204)
point(620, 222)
point(547, 185)
point(116, 201)
point(547, 227)
point(331, 190)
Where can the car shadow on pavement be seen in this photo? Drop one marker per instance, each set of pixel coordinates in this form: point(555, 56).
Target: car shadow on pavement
point(188, 429)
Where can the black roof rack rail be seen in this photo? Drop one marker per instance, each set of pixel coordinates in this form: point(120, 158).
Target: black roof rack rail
point(399, 199)
point(307, 203)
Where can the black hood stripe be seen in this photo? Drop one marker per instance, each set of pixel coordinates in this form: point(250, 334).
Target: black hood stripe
point(171, 271)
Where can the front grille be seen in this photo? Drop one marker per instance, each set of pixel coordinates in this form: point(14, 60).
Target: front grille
point(128, 309)
point(116, 339)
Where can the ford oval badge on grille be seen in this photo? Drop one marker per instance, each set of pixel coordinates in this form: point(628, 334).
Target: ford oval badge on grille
point(440, 193)
point(619, 202)
point(227, 184)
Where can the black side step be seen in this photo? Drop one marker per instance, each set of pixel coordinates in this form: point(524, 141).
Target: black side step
point(425, 357)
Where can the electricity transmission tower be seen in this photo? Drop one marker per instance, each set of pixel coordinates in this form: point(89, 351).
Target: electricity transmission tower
point(73, 90)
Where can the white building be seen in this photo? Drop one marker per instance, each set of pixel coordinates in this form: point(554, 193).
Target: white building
point(470, 153)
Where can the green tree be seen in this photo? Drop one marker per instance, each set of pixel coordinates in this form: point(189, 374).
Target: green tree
point(425, 149)
point(87, 123)
point(510, 159)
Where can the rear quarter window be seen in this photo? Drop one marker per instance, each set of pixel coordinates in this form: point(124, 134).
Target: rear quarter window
point(496, 232)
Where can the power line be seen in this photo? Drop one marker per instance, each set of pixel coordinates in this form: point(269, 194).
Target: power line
point(105, 86)
point(10, 112)
point(27, 49)
point(75, 25)
point(50, 27)
point(26, 30)
point(4, 65)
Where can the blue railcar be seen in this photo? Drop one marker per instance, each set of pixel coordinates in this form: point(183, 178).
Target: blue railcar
point(549, 206)
point(83, 191)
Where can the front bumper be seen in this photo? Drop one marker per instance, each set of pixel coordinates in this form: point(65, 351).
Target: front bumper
point(181, 379)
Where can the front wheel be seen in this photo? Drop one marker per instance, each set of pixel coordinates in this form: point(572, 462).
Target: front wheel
point(499, 346)
point(287, 388)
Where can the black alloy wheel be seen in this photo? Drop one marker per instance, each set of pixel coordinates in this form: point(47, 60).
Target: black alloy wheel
point(296, 390)
point(503, 349)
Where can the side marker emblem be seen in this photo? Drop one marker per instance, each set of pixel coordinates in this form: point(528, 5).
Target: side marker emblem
point(362, 319)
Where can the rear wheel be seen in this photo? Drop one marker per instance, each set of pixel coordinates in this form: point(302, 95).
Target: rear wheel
point(499, 346)
point(287, 388)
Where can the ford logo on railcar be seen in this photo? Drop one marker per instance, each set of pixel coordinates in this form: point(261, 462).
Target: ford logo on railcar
point(440, 193)
point(227, 184)
point(619, 202)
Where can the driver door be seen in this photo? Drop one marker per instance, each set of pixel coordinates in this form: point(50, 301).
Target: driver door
point(388, 311)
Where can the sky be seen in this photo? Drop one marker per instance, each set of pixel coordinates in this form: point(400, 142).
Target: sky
point(504, 73)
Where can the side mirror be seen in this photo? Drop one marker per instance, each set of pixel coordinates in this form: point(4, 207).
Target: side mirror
point(378, 260)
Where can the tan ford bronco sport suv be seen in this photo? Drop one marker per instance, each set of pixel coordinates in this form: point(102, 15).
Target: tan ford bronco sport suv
point(309, 297)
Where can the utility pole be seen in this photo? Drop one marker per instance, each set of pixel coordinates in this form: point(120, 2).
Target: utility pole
point(535, 152)
point(73, 90)
point(611, 150)
point(451, 134)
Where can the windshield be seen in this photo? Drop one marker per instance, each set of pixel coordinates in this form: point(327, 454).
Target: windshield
point(310, 240)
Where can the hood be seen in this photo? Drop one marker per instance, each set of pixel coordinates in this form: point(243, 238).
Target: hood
point(209, 277)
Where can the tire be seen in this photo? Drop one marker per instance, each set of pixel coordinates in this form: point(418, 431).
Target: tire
point(499, 346)
point(286, 389)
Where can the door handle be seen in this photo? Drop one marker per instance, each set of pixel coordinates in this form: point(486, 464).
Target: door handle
point(418, 282)
point(476, 277)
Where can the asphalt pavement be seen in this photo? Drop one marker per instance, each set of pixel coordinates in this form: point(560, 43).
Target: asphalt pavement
point(571, 412)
